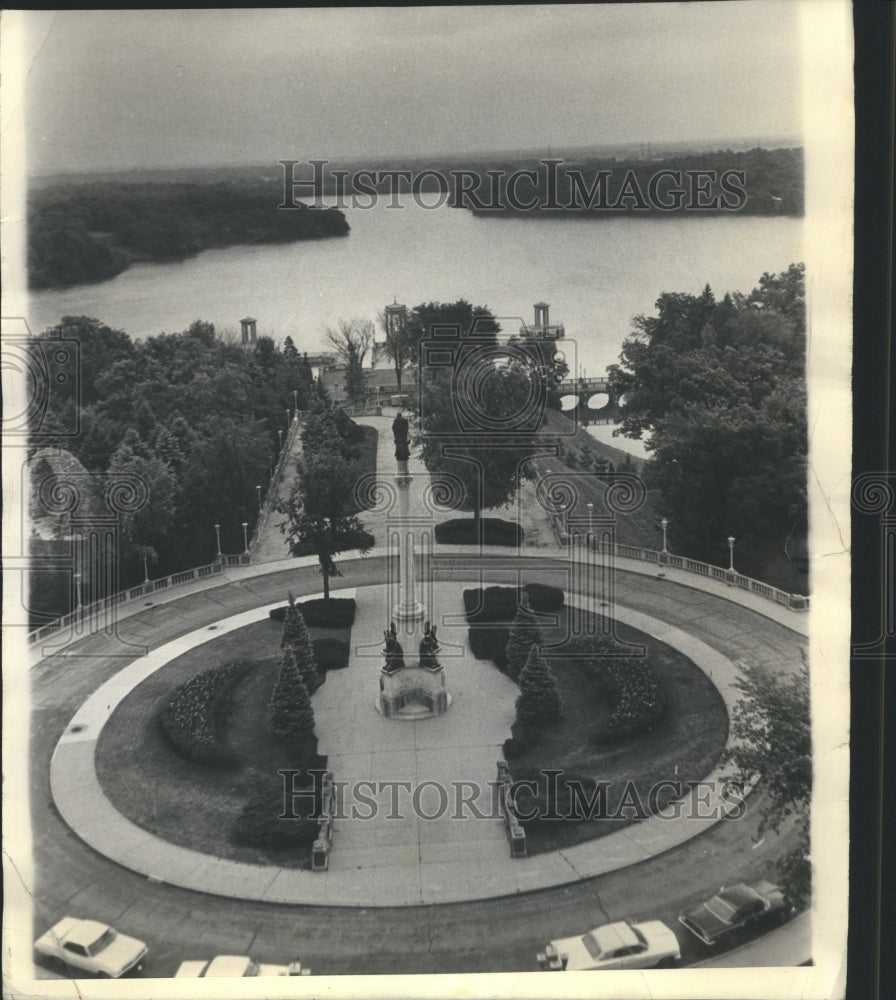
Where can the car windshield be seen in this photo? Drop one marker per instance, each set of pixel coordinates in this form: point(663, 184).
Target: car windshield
point(103, 941)
point(642, 941)
point(591, 944)
point(721, 909)
point(251, 970)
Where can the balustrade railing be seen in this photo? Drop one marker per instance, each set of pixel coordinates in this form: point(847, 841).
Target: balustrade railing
point(90, 613)
point(731, 578)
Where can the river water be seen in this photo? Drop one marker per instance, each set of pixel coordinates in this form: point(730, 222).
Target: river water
point(595, 275)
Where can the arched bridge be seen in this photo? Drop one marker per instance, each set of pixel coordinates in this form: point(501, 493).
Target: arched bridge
point(588, 406)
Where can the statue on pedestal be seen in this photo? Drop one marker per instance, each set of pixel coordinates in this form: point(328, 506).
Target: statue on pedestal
point(393, 652)
point(400, 434)
point(429, 646)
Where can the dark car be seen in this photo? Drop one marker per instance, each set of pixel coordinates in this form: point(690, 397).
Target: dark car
point(733, 907)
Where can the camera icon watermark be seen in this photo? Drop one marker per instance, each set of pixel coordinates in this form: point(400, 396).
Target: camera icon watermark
point(41, 378)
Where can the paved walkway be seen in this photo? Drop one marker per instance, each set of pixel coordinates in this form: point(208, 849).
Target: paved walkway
point(270, 542)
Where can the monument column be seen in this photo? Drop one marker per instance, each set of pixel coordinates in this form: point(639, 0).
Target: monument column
point(409, 609)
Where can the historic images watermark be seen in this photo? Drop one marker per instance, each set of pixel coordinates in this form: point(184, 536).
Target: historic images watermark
point(551, 796)
point(550, 188)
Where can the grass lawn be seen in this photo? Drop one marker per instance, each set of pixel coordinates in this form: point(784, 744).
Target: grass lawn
point(689, 736)
point(191, 804)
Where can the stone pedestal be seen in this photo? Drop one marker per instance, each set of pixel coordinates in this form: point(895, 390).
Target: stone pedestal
point(413, 693)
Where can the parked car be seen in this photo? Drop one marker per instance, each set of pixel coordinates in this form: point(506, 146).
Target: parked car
point(736, 906)
point(89, 945)
point(622, 945)
point(236, 967)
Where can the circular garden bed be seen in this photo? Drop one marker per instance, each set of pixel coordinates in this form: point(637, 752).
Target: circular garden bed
point(196, 805)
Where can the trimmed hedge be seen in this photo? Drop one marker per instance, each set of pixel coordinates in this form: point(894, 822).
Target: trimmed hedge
point(191, 718)
point(259, 823)
point(499, 604)
point(490, 613)
point(543, 597)
point(464, 531)
point(337, 612)
point(330, 654)
point(637, 700)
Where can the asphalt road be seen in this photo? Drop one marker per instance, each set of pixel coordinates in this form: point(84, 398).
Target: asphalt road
point(485, 936)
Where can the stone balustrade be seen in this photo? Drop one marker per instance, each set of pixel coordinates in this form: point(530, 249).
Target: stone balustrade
point(516, 835)
point(320, 851)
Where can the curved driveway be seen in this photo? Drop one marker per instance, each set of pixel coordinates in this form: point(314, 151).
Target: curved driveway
point(490, 935)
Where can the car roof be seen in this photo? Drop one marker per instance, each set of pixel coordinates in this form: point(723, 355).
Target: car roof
point(228, 965)
point(85, 932)
point(613, 936)
point(739, 894)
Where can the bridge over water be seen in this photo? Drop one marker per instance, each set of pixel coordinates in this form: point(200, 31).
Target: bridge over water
point(586, 390)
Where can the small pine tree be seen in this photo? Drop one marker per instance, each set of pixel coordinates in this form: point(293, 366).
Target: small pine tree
point(297, 639)
point(524, 634)
point(539, 699)
point(290, 713)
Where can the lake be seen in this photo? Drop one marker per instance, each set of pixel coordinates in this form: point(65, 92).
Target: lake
point(595, 275)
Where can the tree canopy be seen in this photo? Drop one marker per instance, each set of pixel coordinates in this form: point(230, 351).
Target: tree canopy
point(321, 511)
point(480, 408)
point(88, 232)
point(195, 417)
point(772, 739)
point(720, 388)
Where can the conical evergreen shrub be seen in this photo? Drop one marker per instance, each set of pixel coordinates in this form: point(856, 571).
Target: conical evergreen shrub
point(290, 714)
point(524, 634)
point(539, 699)
point(297, 639)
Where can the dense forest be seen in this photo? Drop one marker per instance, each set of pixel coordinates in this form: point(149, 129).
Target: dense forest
point(720, 387)
point(691, 184)
point(88, 232)
point(193, 417)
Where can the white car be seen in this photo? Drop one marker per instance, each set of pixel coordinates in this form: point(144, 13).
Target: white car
point(615, 946)
point(236, 967)
point(91, 946)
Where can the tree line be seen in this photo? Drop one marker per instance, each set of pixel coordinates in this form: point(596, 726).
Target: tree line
point(89, 232)
point(192, 416)
point(752, 182)
point(720, 387)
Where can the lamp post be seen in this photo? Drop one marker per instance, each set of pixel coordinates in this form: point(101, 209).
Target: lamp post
point(218, 536)
point(590, 523)
point(287, 418)
point(295, 399)
point(258, 494)
point(145, 571)
point(245, 538)
point(731, 553)
point(78, 593)
point(664, 524)
point(280, 435)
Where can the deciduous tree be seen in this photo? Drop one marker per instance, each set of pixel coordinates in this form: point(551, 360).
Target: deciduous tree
point(320, 512)
point(772, 739)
